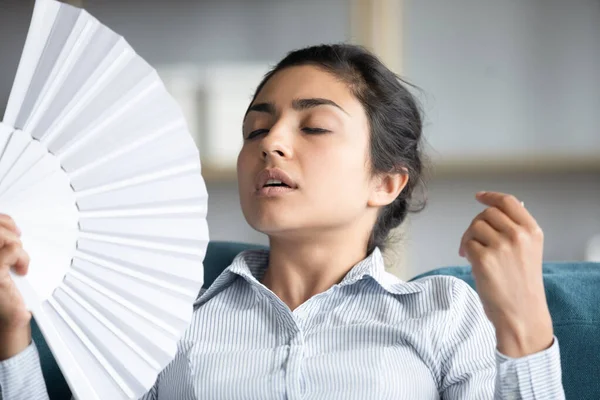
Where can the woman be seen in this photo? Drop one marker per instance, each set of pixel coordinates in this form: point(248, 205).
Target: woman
point(331, 156)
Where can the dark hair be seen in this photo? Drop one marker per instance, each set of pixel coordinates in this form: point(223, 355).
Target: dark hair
point(394, 118)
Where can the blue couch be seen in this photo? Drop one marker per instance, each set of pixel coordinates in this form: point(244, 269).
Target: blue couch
point(573, 292)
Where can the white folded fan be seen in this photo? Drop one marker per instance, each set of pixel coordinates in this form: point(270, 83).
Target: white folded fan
point(101, 175)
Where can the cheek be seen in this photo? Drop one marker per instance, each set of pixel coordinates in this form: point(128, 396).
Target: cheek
point(240, 162)
point(245, 177)
point(245, 185)
point(244, 166)
point(340, 173)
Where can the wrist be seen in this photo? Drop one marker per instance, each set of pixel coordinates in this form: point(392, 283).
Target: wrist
point(517, 340)
point(14, 341)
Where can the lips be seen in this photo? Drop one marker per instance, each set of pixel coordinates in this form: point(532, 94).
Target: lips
point(272, 181)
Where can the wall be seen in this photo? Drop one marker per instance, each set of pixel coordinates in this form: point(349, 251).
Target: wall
point(509, 78)
point(566, 206)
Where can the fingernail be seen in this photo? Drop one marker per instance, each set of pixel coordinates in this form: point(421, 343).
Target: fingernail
point(481, 193)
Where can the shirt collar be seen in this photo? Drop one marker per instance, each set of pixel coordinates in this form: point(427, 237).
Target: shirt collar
point(251, 265)
point(373, 266)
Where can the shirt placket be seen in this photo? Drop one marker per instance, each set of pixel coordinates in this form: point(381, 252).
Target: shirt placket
point(298, 326)
point(296, 354)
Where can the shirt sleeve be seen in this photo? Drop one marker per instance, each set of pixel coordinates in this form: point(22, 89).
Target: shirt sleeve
point(21, 376)
point(536, 376)
point(472, 368)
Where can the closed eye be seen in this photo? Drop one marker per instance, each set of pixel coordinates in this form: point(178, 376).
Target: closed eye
point(315, 130)
point(255, 133)
point(312, 131)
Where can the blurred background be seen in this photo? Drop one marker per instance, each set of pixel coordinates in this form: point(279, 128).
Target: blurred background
point(510, 91)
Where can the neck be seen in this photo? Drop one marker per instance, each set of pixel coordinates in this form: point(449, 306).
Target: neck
point(300, 269)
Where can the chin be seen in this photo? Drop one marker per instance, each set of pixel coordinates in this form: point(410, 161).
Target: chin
point(272, 224)
point(269, 215)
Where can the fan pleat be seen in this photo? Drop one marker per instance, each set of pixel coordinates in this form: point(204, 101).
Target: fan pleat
point(63, 67)
point(184, 271)
point(117, 99)
point(79, 73)
point(126, 198)
point(108, 325)
point(51, 192)
point(128, 178)
point(139, 147)
point(167, 285)
point(32, 153)
point(153, 228)
point(5, 135)
point(35, 179)
point(115, 62)
point(103, 150)
point(151, 338)
point(144, 244)
point(98, 352)
point(150, 258)
point(176, 311)
point(84, 277)
point(16, 146)
point(66, 19)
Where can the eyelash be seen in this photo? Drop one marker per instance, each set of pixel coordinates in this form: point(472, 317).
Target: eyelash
point(312, 131)
point(255, 133)
point(315, 130)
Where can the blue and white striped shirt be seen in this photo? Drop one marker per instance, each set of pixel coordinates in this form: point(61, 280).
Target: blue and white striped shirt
point(372, 336)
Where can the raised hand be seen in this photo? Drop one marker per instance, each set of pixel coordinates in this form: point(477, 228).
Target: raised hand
point(504, 245)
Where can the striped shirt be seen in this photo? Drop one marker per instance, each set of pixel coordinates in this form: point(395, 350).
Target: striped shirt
point(372, 336)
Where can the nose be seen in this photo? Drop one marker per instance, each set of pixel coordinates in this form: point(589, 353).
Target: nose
point(276, 144)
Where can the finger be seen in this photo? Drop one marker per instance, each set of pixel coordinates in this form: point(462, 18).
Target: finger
point(483, 233)
point(21, 267)
point(480, 232)
point(14, 256)
point(498, 220)
point(9, 223)
point(8, 237)
point(473, 250)
point(509, 205)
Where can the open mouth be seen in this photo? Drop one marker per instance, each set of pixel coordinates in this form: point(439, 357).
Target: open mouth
point(275, 183)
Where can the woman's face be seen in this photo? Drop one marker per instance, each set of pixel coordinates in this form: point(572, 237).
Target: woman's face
point(306, 129)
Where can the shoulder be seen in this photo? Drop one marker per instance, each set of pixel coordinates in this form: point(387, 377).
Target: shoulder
point(462, 315)
point(445, 292)
point(461, 323)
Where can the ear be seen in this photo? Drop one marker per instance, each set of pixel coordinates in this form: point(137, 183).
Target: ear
point(387, 187)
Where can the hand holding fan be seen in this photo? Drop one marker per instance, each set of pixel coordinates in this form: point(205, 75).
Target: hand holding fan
point(99, 172)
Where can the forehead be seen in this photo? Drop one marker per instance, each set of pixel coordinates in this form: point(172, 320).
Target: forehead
point(303, 82)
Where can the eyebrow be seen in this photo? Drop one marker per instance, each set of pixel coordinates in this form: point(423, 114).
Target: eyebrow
point(297, 104)
point(304, 104)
